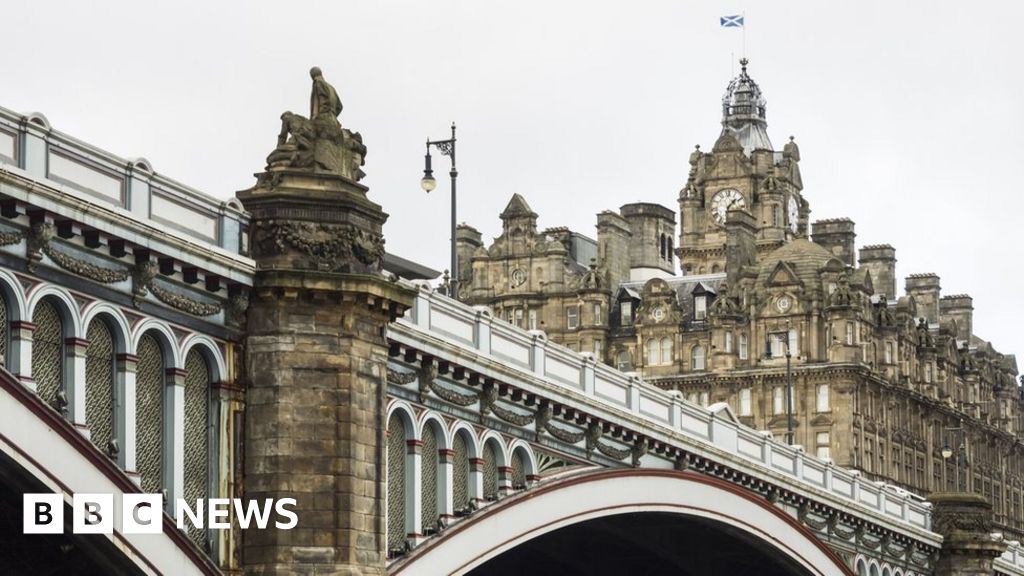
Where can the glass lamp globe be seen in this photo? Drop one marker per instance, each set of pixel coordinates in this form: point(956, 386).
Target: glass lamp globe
point(947, 452)
point(428, 183)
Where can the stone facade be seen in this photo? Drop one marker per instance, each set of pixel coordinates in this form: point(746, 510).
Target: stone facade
point(881, 381)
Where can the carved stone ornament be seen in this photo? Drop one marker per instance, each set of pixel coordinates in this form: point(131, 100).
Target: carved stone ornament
point(38, 236)
point(238, 305)
point(144, 281)
point(319, 143)
point(330, 247)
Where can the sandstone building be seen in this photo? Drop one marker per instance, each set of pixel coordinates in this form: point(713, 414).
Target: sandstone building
point(883, 382)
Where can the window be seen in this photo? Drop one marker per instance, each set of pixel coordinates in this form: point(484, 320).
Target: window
point(700, 307)
point(572, 317)
point(823, 442)
point(794, 342)
point(626, 312)
point(822, 400)
point(598, 349)
point(666, 351)
point(698, 358)
point(519, 317)
point(597, 313)
point(928, 372)
point(775, 215)
point(849, 332)
point(778, 400)
point(744, 353)
point(531, 318)
point(48, 355)
point(653, 352)
point(728, 342)
point(777, 343)
point(745, 409)
point(623, 363)
point(888, 353)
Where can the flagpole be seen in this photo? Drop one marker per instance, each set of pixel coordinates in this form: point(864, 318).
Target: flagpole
point(744, 26)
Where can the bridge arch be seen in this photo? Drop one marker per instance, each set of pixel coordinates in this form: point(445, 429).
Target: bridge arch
point(573, 501)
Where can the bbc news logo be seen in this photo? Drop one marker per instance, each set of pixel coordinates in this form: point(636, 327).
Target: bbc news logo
point(142, 513)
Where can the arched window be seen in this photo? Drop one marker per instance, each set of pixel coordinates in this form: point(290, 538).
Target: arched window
point(490, 471)
point(99, 386)
point(428, 479)
point(697, 358)
point(460, 472)
point(149, 414)
point(666, 350)
point(396, 484)
point(653, 352)
point(661, 249)
point(197, 434)
point(623, 362)
point(48, 354)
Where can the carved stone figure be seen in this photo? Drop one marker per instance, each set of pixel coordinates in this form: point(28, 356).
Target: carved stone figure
point(324, 98)
point(318, 143)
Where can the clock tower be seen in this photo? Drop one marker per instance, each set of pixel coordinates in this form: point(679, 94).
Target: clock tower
point(742, 172)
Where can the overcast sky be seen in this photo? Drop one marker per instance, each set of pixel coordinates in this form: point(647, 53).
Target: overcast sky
point(908, 115)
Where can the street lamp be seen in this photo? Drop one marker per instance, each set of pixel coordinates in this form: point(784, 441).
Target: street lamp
point(948, 452)
point(428, 183)
point(784, 338)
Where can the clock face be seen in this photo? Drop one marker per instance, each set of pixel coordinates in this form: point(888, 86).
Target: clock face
point(794, 213)
point(658, 314)
point(783, 303)
point(518, 277)
point(724, 201)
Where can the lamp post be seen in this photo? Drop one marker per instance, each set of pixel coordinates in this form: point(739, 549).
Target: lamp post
point(948, 451)
point(428, 183)
point(784, 338)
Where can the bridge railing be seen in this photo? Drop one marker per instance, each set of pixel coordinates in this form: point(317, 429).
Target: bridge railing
point(531, 352)
point(1012, 561)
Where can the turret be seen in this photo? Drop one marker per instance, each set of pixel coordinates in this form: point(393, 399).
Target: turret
point(651, 248)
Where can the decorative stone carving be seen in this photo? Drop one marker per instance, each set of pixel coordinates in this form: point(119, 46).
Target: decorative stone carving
point(144, 281)
point(330, 247)
point(318, 143)
point(8, 238)
point(38, 236)
point(238, 305)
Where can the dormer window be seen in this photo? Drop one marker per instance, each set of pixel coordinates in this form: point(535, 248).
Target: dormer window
point(626, 312)
point(700, 307)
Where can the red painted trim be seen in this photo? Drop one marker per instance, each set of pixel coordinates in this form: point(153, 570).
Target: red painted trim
point(23, 325)
point(82, 342)
point(102, 463)
point(476, 461)
point(179, 372)
point(127, 358)
point(533, 477)
point(446, 452)
point(505, 469)
point(414, 442)
point(625, 473)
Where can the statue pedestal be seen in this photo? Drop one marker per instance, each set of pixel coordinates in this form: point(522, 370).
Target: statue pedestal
point(965, 522)
point(316, 358)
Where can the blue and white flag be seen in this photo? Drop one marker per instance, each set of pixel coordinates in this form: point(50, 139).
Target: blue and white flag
point(732, 21)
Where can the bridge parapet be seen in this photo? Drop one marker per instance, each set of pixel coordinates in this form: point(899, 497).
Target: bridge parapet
point(446, 329)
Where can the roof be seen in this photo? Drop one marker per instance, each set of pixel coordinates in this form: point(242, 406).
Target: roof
point(685, 285)
point(408, 269)
point(802, 255)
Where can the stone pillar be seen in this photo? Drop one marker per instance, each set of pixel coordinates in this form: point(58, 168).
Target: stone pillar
point(965, 522)
point(316, 352)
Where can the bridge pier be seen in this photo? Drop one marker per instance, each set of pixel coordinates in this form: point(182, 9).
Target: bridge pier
point(315, 362)
point(965, 522)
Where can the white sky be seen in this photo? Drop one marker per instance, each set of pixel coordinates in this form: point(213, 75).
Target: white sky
point(908, 115)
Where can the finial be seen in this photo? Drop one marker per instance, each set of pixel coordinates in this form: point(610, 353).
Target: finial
point(791, 138)
point(743, 64)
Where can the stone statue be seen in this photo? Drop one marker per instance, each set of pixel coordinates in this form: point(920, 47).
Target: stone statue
point(319, 143)
point(324, 98)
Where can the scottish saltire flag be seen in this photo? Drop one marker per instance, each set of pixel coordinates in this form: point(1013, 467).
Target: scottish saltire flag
point(732, 21)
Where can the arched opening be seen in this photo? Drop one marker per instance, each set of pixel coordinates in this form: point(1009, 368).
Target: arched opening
point(197, 436)
point(460, 472)
point(48, 355)
point(642, 543)
point(628, 521)
point(100, 379)
point(396, 531)
point(862, 567)
point(521, 468)
point(430, 470)
point(149, 414)
point(490, 469)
